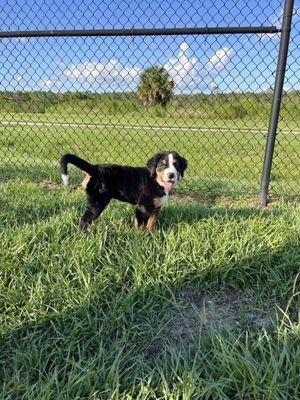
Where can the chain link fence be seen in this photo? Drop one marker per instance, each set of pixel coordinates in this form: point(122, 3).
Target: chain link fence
point(116, 81)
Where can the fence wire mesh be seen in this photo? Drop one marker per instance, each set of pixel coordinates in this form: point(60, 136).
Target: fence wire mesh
point(119, 99)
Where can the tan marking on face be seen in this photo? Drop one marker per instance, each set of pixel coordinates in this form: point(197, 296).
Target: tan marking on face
point(85, 181)
point(164, 162)
point(159, 177)
point(151, 222)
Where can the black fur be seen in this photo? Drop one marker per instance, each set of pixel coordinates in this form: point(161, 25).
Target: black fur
point(79, 162)
point(134, 185)
point(152, 162)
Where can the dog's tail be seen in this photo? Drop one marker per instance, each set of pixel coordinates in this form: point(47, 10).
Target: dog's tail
point(78, 162)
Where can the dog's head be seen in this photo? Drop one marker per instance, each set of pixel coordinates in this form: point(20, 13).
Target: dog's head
point(167, 167)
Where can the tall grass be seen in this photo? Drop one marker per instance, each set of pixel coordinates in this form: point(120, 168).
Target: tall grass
point(206, 307)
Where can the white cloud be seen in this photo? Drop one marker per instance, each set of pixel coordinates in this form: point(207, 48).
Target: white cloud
point(47, 83)
point(214, 86)
point(262, 36)
point(183, 70)
point(19, 78)
point(219, 59)
point(276, 20)
point(188, 73)
point(112, 72)
point(184, 47)
point(59, 63)
point(22, 40)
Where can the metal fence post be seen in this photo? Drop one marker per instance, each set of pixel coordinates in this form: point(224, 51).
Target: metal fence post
point(276, 100)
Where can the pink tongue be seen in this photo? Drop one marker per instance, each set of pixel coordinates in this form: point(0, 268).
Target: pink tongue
point(169, 185)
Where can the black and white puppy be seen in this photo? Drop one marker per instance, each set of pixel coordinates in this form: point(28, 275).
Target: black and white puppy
point(146, 187)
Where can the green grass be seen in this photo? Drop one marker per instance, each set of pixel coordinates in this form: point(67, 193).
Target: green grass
point(225, 156)
point(252, 109)
point(217, 116)
point(206, 307)
point(220, 163)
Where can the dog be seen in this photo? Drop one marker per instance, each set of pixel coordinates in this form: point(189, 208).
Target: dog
point(148, 188)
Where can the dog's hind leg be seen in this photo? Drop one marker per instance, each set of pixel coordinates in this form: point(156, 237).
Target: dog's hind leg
point(94, 208)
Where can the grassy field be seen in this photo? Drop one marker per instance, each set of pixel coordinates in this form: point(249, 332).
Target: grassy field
point(249, 109)
point(223, 136)
point(225, 161)
point(206, 307)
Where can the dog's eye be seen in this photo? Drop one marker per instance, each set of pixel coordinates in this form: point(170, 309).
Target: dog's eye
point(161, 164)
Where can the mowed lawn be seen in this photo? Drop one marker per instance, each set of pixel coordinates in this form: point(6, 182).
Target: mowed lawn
point(227, 161)
point(206, 307)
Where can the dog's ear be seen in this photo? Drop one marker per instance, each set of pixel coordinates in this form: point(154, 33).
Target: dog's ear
point(184, 165)
point(152, 162)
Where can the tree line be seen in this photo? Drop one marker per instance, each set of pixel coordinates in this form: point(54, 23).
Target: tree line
point(155, 93)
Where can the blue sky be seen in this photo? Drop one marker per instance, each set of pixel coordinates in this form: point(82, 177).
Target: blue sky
point(195, 63)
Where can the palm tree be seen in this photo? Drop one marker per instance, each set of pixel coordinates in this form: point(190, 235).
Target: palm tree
point(155, 86)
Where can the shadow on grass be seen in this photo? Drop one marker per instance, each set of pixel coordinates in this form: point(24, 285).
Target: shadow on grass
point(36, 173)
point(190, 212)
point(52, 201)
point(128, 339)
point(20, 210)
point(29, 173)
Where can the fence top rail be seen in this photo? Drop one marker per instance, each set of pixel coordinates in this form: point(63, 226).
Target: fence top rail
point(142, 31)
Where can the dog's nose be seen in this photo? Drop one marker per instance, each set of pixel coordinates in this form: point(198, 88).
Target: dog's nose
point(171, 175)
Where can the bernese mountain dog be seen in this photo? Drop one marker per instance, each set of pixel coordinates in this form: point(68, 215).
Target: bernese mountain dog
point(146, 187)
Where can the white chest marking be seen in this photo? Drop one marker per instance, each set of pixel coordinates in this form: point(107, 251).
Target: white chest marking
point(164, 199)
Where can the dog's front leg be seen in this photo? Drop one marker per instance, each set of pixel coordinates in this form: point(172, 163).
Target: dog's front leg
point(151, 222)
point(145, 217)
point(140, 218)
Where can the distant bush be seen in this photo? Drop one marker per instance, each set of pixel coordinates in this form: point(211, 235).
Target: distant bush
point(23, 102)
point(155, 87)
point(114, 105)
point(231, 111)
point(211, 106)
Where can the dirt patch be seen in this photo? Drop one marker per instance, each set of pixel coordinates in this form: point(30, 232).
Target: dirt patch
point(208, 201)
point(214, 200)
point(197, 313)
point(230, 309)
point(228, 202)
point(47, 186)
point(51, 186)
